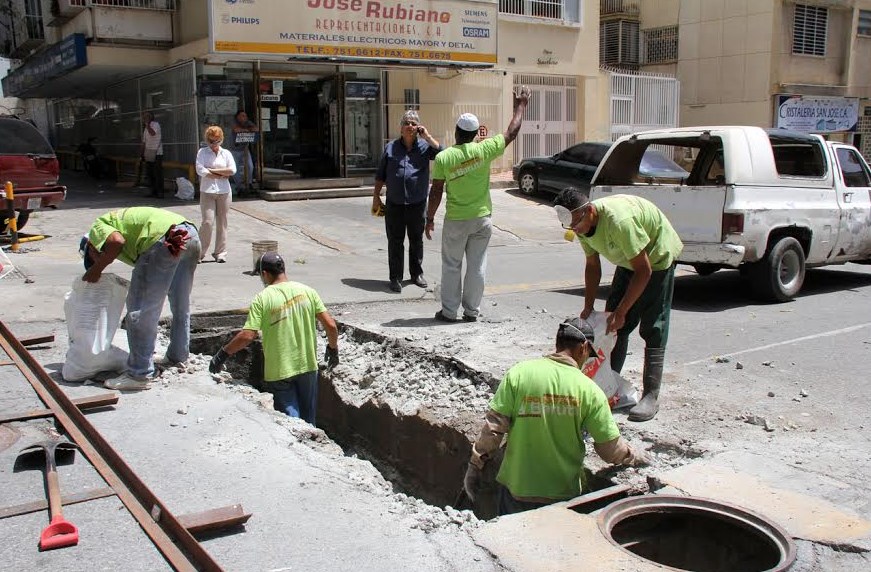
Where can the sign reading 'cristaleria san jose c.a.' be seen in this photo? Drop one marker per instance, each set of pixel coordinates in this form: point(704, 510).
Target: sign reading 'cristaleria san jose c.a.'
point(433, 32)
point(816, 114)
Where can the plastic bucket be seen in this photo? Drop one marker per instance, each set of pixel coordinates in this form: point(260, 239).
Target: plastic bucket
point(261, 247)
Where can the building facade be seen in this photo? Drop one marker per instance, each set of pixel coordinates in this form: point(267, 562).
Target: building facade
point(796, 64)
point(326, 81)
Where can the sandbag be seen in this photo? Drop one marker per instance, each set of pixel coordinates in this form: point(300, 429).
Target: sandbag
point(620, 393)
point(93, 314)
point(185, 190)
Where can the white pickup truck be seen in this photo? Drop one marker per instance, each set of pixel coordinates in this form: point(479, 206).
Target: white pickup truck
point(766, 201)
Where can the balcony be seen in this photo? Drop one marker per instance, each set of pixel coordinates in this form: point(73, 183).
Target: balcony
point(62, 11)
point(27, 34)
point(158, 5)
point(619, 9)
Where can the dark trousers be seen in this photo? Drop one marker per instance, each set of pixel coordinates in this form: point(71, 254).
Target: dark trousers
point(399, 221)
point(507, 504)
point(155, 175)
point(652, 310)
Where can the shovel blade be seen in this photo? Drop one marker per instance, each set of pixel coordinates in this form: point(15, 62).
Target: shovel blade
point(59, 534)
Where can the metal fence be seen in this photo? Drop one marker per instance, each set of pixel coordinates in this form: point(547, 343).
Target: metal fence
point(659, 45)
point(642, 101)
point(536, 8)
point(113, 117)
point(162, 5)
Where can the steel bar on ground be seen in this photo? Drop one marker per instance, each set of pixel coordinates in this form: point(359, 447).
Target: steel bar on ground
point(36, 340)
point(36, 506)
point(180, 549)
point(92, 402)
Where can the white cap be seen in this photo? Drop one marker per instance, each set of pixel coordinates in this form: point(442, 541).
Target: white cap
point(468, 122)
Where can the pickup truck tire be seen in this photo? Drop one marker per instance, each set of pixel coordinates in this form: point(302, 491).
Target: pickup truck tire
point(22, 218)
point(778, 277)
point(527, 182)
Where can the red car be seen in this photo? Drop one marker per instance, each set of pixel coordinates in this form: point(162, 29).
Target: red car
point(29, 162)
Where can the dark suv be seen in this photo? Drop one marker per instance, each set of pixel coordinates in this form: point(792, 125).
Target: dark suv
point(29, 162)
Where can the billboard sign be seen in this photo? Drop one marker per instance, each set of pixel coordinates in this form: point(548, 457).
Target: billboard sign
point(431, 32)
point(816, 114)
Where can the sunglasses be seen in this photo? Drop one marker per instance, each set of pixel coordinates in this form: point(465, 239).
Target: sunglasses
point(215, 141)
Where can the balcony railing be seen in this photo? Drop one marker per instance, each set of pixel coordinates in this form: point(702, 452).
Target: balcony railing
point(536, 8)
point(161, 5)
point(619, 8)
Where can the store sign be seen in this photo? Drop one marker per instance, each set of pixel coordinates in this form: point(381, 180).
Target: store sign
point(817, 114)
point(57, 60)
point(460, 32)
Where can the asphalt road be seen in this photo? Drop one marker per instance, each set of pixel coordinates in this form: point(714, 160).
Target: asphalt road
point(803, 364)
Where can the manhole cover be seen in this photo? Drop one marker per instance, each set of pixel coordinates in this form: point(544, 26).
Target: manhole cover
point(8, 437)
point(697, 535)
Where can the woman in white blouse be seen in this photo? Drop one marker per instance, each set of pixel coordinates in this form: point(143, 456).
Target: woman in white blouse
point(215, 166)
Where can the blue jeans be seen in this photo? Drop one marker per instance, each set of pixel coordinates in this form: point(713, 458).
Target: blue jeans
point(296, 396)
point(242, 157)
point(467, 238)
point(156, 274)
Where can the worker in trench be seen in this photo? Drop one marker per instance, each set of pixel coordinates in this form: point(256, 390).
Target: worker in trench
point(635, 236)
point(544, 406)
point(286, 313)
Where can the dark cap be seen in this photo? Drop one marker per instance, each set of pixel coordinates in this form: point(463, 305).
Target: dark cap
point(271, 262)
point(577, 330)
point(86, 255)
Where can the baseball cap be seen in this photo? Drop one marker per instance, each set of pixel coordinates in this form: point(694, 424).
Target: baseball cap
point(576, 329)
point(83, 252)
point(271, 262)
point(468, 122)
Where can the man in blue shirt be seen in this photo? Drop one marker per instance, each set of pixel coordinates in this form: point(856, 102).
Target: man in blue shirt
point(404, 168)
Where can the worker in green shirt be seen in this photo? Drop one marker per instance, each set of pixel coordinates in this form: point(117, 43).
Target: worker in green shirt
point(285, 313)
point(633, 234)
point(463, 171)
point(544, 406)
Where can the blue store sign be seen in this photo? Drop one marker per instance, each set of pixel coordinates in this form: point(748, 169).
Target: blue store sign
point(59, 59)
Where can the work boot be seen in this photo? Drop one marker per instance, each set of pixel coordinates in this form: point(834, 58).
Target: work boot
point(654, 360)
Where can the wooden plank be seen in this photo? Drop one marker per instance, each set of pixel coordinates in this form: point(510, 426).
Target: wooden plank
point(39, 505)
point(83, 403)
point(214, 519)
point(37, 340)
point(595, 500)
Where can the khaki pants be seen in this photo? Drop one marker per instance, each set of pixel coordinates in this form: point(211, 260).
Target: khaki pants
point(215, 208)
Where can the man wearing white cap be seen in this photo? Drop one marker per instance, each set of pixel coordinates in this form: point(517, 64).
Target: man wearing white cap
point(464, 172)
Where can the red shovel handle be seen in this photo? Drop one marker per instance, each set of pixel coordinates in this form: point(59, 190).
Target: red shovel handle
point(58, 534)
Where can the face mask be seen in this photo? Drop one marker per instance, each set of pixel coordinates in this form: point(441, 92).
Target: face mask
point(565, 215)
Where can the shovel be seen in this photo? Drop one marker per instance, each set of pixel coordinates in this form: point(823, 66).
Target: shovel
point(59, 533)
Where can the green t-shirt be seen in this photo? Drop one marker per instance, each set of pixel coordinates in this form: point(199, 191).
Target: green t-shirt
point(550, 404)
point(627, 225)
point(141, 227)
point(285, 315)
point(466, 171)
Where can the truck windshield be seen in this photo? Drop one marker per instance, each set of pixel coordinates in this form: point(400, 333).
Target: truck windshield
point(19, 137)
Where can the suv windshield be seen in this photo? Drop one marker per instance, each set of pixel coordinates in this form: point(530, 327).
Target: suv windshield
point(19, 137)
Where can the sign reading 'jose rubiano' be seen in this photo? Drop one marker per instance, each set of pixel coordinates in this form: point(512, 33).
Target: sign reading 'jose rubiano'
point(432, 32)
point(816, 114)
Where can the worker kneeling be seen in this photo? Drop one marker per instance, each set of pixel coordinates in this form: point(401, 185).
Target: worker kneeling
point(544, 405)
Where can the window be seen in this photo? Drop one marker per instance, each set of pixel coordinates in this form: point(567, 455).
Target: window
point(618, 43)
point(864, 27)
point(810, 30)
point(568, 10)
point(797, 157)
point(412, 99)
point(659, 45)
point(853, 168)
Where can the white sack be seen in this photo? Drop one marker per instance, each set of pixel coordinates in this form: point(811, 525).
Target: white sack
point(93, 314)
point(186, 189)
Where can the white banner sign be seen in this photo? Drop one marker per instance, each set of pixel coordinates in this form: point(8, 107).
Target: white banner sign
point(817, 114)
point(435, 32)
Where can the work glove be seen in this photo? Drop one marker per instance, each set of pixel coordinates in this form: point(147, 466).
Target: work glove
point(472, 481)
point(331, 356)
point(217, 363)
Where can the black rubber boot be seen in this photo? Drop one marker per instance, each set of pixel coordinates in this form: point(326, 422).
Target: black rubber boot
point(654, 360)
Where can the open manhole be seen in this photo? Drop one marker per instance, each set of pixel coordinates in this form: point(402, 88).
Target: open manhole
point(698, 535)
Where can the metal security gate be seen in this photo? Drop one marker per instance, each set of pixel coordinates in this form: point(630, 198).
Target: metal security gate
point(550, 123)
point(642, 101)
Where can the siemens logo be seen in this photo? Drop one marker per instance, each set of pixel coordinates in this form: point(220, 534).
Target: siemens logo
point(476, 33)
point(252, 21)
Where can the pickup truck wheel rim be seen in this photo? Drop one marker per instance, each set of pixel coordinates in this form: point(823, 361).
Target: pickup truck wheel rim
point(789, 269)
point(527, 183)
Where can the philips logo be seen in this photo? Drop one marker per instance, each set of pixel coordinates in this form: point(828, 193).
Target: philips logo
point(250, 21)
point(476, 33)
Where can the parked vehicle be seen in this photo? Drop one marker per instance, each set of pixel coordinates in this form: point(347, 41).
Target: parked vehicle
point(576, 166)
point(768, 202)
point(91, 160)
point(28, 161)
